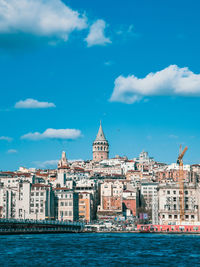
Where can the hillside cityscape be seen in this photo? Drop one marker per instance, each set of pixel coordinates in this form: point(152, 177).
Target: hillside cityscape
point(104, 193)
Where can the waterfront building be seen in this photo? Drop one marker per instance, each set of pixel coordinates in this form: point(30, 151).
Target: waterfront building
point(148, 191)
point(169, 203)
point(41, 202)
point(110, 198)
point(8, 198)
point(23, 200)
point(85, 206)
point(66, 204)
point(90, 187)
point(100, 146)
point(130, 202)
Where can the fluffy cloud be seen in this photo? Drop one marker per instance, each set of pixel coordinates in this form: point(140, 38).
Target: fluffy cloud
point(169, 81)
point(32, 103)
point(96, 35)
point(46, 164)
point(6, 138)
point(44, 18)
point(64, 134)
point(12, 151)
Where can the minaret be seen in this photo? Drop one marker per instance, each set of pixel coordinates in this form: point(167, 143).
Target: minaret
point(63, 163)
point(100, 146)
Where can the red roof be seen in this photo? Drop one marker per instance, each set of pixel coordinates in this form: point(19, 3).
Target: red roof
point(40, 185)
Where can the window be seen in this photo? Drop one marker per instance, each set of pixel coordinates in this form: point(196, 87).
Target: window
point(174, 206)
point(168, 192)
point(174, 192)
point(32, 194)
point(41, 210)
point(66, 213)
point(163, 216)
point(186, 216)
point(175, 216)
point(170, 216)
point(70, 213)
point(42, 194)
point(192, 216)
point(37, 194)
point(186, 192)
point(174, 198)
point(61, 203)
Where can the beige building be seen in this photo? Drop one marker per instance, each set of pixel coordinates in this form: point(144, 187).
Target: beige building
point(111, 196)
point(169, 206)
point(67, 204)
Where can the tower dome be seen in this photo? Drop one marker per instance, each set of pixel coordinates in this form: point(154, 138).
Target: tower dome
point(100, 146)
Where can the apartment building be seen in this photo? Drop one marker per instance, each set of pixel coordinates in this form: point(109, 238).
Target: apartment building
point(66, 204)
point(41, 202)
point(111, 196)
point(85, 206)
point(169, 203)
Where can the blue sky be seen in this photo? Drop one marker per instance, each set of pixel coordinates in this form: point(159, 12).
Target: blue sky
point(72, 65)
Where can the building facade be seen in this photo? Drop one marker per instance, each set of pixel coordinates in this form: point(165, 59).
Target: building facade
point(169, 203)
point(67, 204)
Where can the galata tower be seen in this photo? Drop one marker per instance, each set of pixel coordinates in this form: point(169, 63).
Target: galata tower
point(100, 146)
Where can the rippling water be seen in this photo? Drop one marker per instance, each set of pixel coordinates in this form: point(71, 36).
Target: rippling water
point(100, 250)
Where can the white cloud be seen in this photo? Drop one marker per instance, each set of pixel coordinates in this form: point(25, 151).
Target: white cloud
point(46, 164)
point(43, 18)
point(6, 138)
point(74, 160)
point(12, 151)
point(32, 103)
point(169, 81)
point(64, 134)
point(173, 136)
point(108, 63)
point(96, 35)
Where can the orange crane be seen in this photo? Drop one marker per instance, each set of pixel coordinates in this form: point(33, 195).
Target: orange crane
point(181, 183)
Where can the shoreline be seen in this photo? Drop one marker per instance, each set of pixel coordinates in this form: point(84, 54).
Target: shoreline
point(92, 232)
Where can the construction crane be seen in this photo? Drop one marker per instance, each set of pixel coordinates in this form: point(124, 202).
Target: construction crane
point(181, 182)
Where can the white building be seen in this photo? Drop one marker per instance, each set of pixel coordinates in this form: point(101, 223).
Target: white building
point(169, 203)
point(41, 202)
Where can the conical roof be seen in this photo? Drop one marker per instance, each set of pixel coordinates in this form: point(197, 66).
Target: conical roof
point(100, 135)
